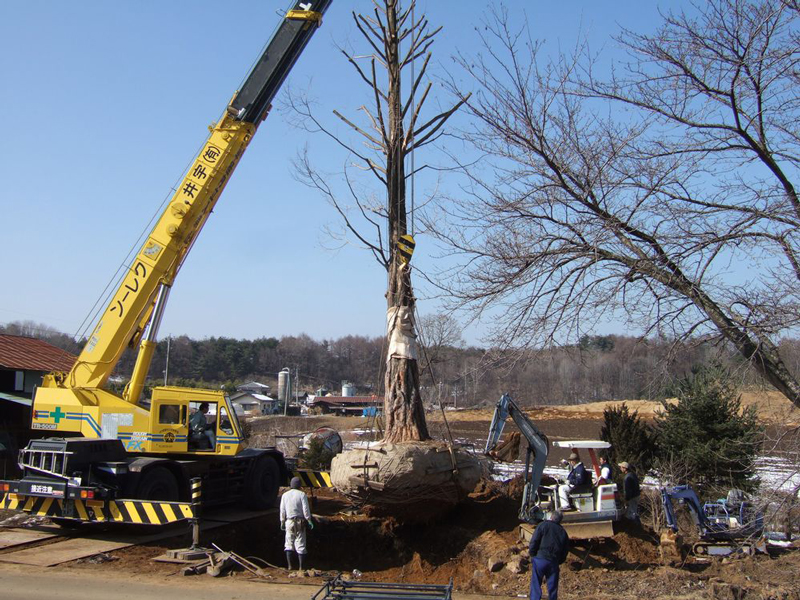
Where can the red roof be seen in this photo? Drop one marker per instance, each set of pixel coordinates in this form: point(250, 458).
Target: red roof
point(347, 400)
point(29, 354)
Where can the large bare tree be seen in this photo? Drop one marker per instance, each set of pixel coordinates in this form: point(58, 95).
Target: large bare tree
point(393, 129)
point(664, 193)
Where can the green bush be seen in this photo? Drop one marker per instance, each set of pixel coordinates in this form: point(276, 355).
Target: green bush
point(316, 457)
point(631, 438)
point(706, 437)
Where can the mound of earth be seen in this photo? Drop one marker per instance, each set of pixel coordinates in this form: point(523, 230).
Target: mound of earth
point(771, 406)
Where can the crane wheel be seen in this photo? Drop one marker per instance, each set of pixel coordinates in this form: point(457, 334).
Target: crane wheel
point(158, 484)
point(261, 486)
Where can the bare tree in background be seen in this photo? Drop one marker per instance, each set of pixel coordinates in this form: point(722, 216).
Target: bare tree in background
point(666, 194)
point(438, 332)
point(394, 129)
point(42, 332)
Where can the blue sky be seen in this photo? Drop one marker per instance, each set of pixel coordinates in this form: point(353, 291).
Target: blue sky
point(105, 103)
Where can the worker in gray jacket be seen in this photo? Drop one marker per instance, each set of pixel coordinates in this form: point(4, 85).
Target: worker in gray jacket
point(295, 514)
point(548, 549)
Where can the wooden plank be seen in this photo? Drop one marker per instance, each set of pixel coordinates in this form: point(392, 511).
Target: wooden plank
point(82, 547)
point(16, 537)
point(76, 548)
point(60, 552)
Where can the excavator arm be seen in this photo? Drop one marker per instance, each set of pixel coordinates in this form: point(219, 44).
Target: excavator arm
point(136, 307)
point(535, 455)
point(685, 495)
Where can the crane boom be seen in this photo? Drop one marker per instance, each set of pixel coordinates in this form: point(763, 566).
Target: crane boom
point(154, 268)
point(150, 458)
point(77, 402)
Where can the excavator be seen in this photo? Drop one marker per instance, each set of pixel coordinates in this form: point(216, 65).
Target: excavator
point(730, 525)
point(593, 510)
point(119, 458)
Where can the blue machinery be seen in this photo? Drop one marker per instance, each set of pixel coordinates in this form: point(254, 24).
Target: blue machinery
point(726, 526)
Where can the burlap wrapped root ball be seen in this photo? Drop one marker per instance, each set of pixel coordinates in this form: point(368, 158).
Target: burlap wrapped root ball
point(410, 480)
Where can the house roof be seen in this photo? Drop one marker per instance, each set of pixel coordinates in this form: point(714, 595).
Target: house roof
point(251, 397)
point(252, 386)
point(347, 400)
point(30, 354)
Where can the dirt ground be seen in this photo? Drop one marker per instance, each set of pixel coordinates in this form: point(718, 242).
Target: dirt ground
point(772, 407)
point(476, 543)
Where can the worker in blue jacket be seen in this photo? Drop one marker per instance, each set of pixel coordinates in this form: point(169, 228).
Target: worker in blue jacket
point(578, 477)
point(548, 549)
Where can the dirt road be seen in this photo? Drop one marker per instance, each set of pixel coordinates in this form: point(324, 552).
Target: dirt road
point(19, 583)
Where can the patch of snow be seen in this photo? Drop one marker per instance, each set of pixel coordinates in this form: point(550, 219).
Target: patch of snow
point(778, 473)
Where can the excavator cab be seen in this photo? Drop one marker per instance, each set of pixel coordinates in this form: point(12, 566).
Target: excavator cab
point(595, 508)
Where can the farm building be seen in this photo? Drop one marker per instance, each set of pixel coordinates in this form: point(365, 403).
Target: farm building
point(251, 404)
point(23, 363)
point(345, 405)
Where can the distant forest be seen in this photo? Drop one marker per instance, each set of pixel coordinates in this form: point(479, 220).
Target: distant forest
point(607, 367)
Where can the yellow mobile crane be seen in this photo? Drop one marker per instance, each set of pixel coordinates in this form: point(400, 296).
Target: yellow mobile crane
point(120, 459)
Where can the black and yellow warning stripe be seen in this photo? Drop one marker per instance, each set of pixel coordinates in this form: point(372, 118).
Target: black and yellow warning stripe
point(197, 490)
point(46, 507)
point(313, 479)
point(405, 247)
point(114, 511)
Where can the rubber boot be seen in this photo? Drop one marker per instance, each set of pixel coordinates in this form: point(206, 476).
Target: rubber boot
point(289, 559)
point(300, 558)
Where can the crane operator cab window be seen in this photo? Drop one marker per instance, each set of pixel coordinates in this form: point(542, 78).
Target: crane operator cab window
point(202, 426)
point(172, 414)
point(225, 425)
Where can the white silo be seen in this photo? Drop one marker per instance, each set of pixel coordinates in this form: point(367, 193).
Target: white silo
point(285, 386)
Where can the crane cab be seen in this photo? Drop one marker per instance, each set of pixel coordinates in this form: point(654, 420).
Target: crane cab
point(163, 427)
point(192, 421)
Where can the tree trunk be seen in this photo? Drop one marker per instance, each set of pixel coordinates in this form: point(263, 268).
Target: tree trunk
point(402, 405)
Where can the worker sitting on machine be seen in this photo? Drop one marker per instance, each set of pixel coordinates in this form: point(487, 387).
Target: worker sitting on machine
point(577, 480)
point(606, 473)
point(202, 434)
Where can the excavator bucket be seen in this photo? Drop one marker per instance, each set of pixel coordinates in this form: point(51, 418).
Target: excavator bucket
point(671, 546)
point(589, 529)
point(576, 531)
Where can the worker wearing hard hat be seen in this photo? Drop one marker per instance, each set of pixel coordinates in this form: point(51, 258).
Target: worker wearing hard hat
point(294, 515)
